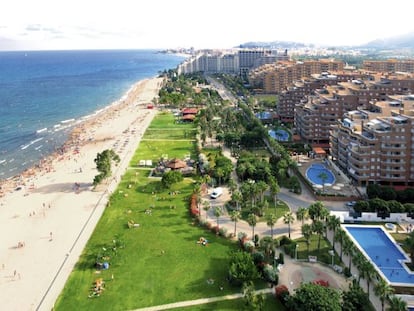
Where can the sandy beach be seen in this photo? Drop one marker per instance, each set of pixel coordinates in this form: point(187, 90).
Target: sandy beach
point(46, 223)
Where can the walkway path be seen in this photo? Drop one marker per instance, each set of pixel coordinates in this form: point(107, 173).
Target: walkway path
point(201, 301)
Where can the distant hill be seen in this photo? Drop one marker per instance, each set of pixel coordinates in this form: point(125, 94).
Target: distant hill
point(274, 45)
point(398, 42)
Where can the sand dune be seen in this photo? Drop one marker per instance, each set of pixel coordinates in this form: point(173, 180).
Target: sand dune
point(46, 224)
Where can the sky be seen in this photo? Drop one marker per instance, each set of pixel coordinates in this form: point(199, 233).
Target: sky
point(160, 24)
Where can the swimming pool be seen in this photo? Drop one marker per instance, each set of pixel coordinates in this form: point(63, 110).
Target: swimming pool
point(279, 135)
point(380, 249)
point(319, 174)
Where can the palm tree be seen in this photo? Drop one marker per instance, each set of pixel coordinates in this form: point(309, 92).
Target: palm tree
point(236, 197)
point(302, 214)
point(333, 223)
point(318, 228)
point(235, 216)
point(274, 189)
point(271, 221)
point(323, 176)
point(349, 250)
point(206, 207)
point(383, 290)
point(261, 188)
point(307, 233)
point(340, 235)
point(218, 212)
point(396, 304)
point(288, 219)
point(369, 273)
point(252, 221)
point(317, 211)
point(268, 245)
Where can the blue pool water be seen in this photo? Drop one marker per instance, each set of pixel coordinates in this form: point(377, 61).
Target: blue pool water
point(313, 173)
point(280, 135)
point(381, 250)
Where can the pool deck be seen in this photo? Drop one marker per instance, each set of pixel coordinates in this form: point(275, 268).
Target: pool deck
point(341, 185)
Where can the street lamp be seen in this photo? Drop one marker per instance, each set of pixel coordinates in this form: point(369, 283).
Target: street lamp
point(331, 252)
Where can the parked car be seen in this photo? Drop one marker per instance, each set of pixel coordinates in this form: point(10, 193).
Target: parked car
point(216, 193)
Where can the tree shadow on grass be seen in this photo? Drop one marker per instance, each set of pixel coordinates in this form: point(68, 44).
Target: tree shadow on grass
point(214, 281)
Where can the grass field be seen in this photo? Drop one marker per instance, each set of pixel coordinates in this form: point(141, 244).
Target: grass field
point(158, 262)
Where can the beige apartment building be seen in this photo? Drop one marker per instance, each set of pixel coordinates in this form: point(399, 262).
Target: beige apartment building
point(375, 144)
point(315, 116)
point(390, 65)
point(275, 78)
point(300, 90)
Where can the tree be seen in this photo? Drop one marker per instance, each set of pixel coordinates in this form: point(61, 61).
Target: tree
point(288, 219)
point(323, 176)
point(218, 212)
point(396, 304)
point(317, 211)
point(236, 197)
point(206, 207)
point(235, 216)
point(302, 214)
point(333, 223)
point(383, 290)
point(170, 178)
point(252, 221)
point(314, 297)
point(349, 250)
point(318, 228)
point(368, 272)
point(409, 244)
point(271, 221)
point(242, 268)
point(340, 235)
point(307, 233)
point(103, 163)
point(252, 301)
point(268, 245)
point(274, 189)
point(355, 298)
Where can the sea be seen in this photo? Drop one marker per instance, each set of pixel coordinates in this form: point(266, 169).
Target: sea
point(43, 94)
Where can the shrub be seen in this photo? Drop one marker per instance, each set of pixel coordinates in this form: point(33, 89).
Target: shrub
point(285, 241)
point(281, 259)
point(280, 290)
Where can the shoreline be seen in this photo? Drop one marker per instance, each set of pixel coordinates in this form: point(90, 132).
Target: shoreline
point(50, 219)
point(74, 138)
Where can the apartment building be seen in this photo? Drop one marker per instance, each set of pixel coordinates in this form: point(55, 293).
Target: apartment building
point(211, 62)
point(275, 78)
point(316, 114)
point(299, 91)
point(375, 144)
point(390, 65)
point(238, 62)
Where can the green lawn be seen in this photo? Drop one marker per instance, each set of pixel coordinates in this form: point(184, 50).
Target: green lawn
point(156, 263)
point(323, 254)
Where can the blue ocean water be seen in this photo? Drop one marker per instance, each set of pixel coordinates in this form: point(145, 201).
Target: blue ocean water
point(42, 92)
